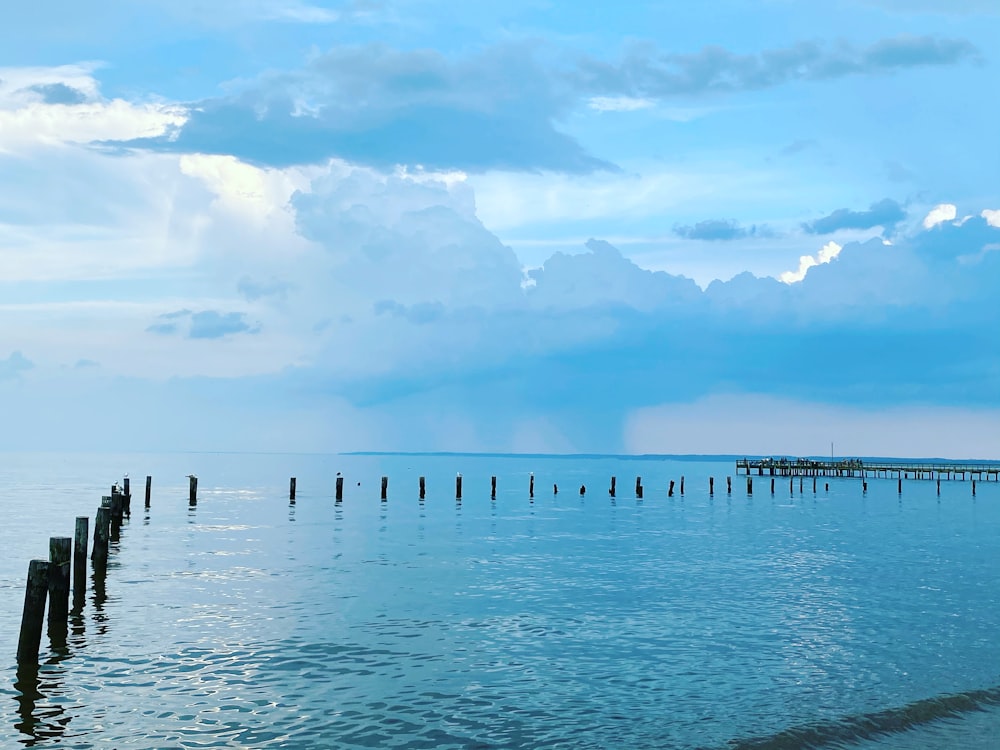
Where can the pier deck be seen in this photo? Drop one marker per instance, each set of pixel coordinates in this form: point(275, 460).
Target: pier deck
point(856, 467)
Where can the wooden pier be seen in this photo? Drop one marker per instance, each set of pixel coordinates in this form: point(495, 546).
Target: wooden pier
point(856, 467)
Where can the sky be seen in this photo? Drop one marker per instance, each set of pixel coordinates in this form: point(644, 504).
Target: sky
point(740, 226)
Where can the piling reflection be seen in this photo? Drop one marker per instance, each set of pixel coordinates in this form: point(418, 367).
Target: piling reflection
point(38, 720)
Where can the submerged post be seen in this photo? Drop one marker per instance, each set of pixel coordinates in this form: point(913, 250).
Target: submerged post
point(422, 487)
point(149, 487)
point(35, 593)
point(80, 559)
point(385, 487)
point(192, 489)
point(458, 487)
point(60, 551)
point(291, 488)
point(339, 492)
point(612, 490)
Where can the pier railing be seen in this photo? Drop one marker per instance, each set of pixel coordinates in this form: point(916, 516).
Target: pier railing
point(856, 467)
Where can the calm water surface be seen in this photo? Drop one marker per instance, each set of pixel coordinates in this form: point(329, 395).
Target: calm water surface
point(785, 621)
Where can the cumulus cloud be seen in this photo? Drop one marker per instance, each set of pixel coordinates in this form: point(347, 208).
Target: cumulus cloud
point(939, 214)
point(827, 253)
point(721, 229)
point(886, 213)
point(992, 217)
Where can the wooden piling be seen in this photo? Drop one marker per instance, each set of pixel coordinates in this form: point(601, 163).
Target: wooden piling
point(116, 515)
point(385, 487)
point(670, 491)
point(800, 485)
point(973, 487)
point(729, 485)
point(60, 553)
point(493, 488)
point(291, 489)
point(749, 484)
point(791, 486)
point(682, 484)
point(531, 485)
point(339, 492)
point(149, 488)
point(638, 487)
point(555, 489)
point(772, 485)
point(826, 487)
point(102, 523)
point(192, 489)
point(899, 486)
point(80, 559)
point(814, 485)
point(612, 490)
point(35, 593)
point(127, 497)
point(939, 485)
point(711, 485)
point(458, 487)
point(422, 485)
point(864, 486)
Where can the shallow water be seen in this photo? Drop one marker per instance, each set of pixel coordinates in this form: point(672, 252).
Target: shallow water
point(793, 620)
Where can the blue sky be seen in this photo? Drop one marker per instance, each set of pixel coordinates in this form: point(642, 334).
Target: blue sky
point(748, 227)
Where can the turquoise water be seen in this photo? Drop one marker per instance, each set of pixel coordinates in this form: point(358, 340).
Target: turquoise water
point(793, 620)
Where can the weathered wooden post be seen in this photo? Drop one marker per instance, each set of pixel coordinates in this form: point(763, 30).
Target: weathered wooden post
point(682, 484)
point(458, 487)
point(826, 487)
point(791, 486)
point(127, 497)
point(531, 484)
point(749, 484)
point(899, 486)
point(638, 487)
point(33, 615)
point(864, 486)
point(102, 523)
point(939, 485)
point(80, 559)
point(422, 485)
point(800, 485)
point(291, 489)
point(115, 503)
point(493, 488)
point(385, 487)
point(973, 487)
point(670, 490)
point(555, 488)
point(60, 552)
point(611, 491)
point(772, 485)
point(339, 493)
point(711, 485)
point(729, 485)
point(192, 489)
point(149, 488)
point(814, 484)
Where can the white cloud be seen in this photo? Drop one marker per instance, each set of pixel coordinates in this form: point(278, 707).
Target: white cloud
point(618, 103)
point(828, 252)
point(939, 214)
point(992, 217)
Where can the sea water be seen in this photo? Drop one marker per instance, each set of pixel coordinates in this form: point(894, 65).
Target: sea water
point(799, 619)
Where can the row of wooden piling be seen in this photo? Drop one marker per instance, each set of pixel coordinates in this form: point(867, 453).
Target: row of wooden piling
point(49, 580)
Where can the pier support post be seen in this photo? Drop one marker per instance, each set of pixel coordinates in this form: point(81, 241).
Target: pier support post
point(127, 497)
point(60, 553)
point(791, 486)
point(864, 486)
point(33, 615)
point(149, 488)
point(339, 491)
point(973, 487)
point(102, 523)
point(192, 489)
point(291, 489)
point(612, 490)
point(772, 485)
point(749, 485)
point(939, 485)
point(80, 534)
point(899, 486)
point(814, 484)
point(422, 486)
point(800, 485)
point(385, 487)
